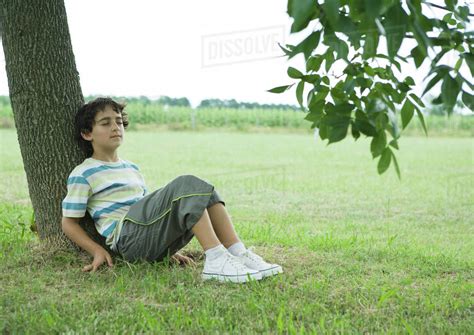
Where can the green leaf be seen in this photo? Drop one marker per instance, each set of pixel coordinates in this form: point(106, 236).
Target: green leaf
point(447, 17)
point(301, 11)
point(280, 89)
point(338, 94)
point(432, 82)
point(363, 83)
point(372, 8)
point(331, 10)
point(323, 131)
point(371, 43)
point(294, 73)
point(468, 100)
point(329, 59)
point(415, 7)
point(469, 57)
point(337, 126)
point(395, 28)
point(394, 144)
point(366, 128)
point(314, 63)
point(363, 125)
point(308, 45)
point(422, 119)
point(341, 48)
point(318, 107)
point(461, 80)
point(355, 132)
point(381, 121)
point(378, 144)
point(417, 100)
point(438, 100)
point(369, 70)
point(397, 168)
point(351, 69)
point(384, 161)
point(463, 12)
point(440, 55)
point(330, 39)
point(318, 96)
point(337, 134)
point(407, 113)
point(347, 27)
point(418, 56)
point(450, 3)
point(450, 90)
point(348, 87)
point(314, 116)
point(343, 108)
point(286, 50)
point(311, 78)
point(393, 61)
point(403, 87)
point(409, 81)
point(421, 37)
point(299, 93)
point(458, 64)
point(393, 129)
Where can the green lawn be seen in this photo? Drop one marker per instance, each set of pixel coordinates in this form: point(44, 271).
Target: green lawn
point(362, 253)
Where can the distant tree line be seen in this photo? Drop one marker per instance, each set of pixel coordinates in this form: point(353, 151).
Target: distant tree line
point(232, 103)
point(431, 109)
point(163, 100)
point(184, 102)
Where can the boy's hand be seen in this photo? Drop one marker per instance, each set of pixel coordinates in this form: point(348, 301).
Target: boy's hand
point(184, 260)
point(100, 256)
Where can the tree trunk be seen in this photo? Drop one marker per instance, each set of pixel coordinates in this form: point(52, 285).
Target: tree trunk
point(45, 94)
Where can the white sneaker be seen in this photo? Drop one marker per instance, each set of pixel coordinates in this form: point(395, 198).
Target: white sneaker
point(228, 268)
point(254, 261)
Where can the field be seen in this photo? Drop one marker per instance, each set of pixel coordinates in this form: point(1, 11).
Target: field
point(156, 116)
point(362, 253)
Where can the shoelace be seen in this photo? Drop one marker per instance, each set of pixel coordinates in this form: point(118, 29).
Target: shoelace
point(250, 254)
point(235, 262)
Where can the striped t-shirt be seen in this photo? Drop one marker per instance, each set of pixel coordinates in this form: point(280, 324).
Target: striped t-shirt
point(106, 190)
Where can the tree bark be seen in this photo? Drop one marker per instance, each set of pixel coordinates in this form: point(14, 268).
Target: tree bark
point(45, 94)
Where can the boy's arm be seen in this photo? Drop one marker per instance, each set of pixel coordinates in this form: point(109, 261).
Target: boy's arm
point(74, 231)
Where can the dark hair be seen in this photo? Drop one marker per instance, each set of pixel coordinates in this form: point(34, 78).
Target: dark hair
point(85, 119)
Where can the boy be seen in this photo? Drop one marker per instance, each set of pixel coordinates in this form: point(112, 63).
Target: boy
point(141, 226)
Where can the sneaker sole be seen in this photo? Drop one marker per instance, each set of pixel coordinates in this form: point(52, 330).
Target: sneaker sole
point(272, 271)
point(234, 278)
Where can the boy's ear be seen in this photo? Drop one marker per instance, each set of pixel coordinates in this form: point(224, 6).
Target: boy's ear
point(87, 136)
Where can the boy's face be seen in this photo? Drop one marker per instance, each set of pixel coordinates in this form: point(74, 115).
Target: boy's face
point(107, 131)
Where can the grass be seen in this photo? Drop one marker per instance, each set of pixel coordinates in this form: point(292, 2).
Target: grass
point(362, 253)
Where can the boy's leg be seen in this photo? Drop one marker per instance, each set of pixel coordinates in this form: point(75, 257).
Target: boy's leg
point(205, 233)
point(222, 224)
point(220, 264)
point(225, 231)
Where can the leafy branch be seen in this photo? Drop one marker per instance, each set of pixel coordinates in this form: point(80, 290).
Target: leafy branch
point(367, 97)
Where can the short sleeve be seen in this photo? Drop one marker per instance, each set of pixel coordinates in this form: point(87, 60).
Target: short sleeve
point(145, 190)
point(74, 204)
point(142, 179)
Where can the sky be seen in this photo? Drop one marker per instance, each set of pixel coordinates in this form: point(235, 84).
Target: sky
point(196, 49)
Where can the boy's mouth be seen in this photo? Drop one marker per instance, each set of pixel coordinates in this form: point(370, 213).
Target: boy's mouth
point(116, 136)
